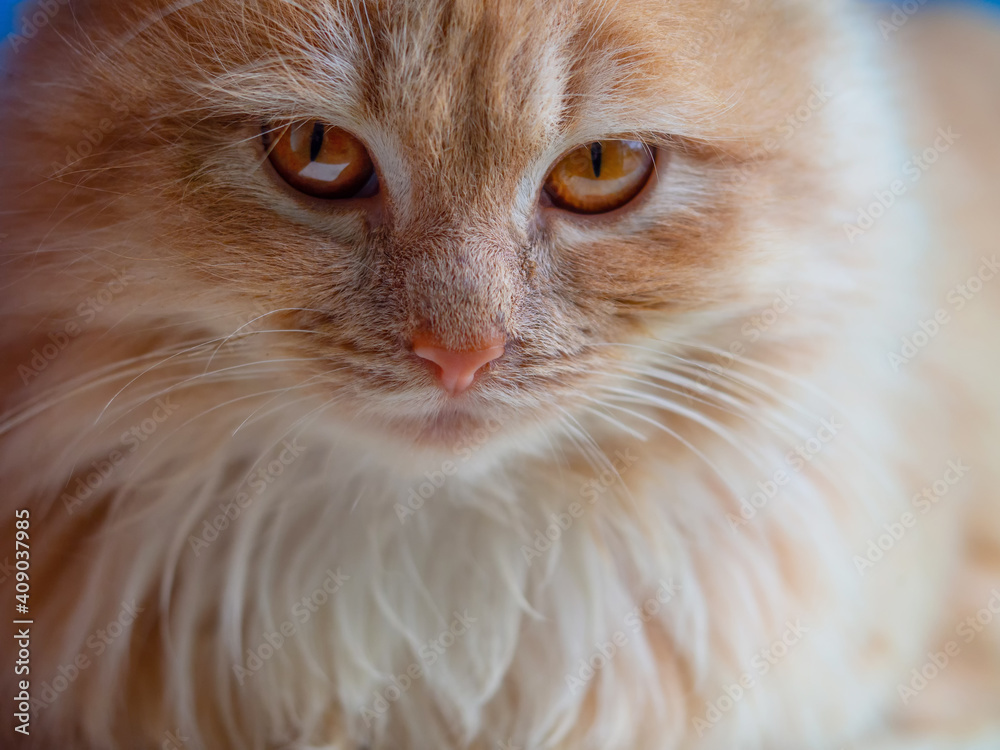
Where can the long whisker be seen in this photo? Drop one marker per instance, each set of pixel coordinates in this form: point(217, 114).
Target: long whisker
point(802, 383)
point(682, 440)
point(596, 456)
point(150, 369)
point(210, 410)
point(691, 414)
point(756, 413)
point(725, 374)
point(195, 380)
point(616, 423)
point(254, 320)
point(303, 384)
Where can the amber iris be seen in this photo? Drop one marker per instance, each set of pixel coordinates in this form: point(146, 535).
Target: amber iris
point(321, 160)
point(600, 176)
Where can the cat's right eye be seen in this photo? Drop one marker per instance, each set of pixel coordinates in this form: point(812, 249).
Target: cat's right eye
point(321, 160)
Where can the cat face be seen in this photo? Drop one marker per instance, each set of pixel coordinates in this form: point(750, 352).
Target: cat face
point(465, 111)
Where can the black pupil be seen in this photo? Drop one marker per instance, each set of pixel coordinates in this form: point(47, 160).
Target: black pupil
point(595, 157)
point(316, 142)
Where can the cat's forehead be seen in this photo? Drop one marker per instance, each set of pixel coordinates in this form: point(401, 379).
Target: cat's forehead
point(467, 73)
point(465, 83)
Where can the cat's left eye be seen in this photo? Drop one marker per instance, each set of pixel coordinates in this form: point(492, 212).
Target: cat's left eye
point(600, 176)
point(321, 160)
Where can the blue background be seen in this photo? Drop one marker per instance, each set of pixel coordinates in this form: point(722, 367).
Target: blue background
point(7, 9)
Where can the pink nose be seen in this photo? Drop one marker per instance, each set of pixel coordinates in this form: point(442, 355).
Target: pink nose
point(456, 370)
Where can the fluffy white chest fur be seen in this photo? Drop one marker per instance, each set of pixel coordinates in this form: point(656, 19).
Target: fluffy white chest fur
point(640, 596)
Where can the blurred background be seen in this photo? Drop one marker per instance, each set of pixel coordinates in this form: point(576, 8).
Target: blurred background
point(8, 26)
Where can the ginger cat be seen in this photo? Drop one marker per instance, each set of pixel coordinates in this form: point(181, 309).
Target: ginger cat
point(411, 374)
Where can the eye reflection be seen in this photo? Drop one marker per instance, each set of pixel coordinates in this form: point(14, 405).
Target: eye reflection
point(322, 160)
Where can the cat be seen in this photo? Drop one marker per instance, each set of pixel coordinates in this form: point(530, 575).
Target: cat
point(448, 374)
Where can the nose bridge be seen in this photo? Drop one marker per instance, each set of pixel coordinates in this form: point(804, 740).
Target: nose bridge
point(462, 289)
